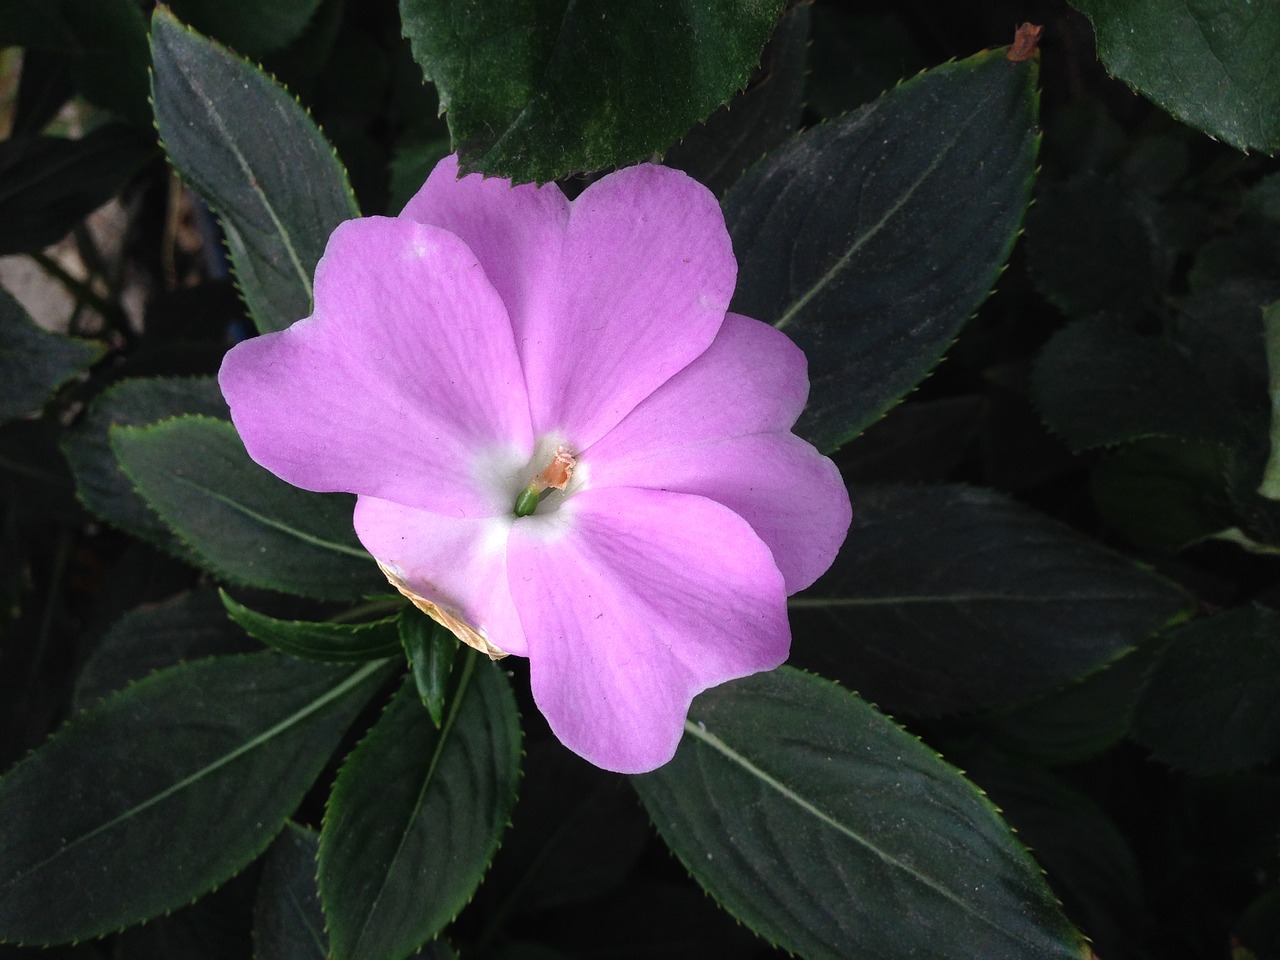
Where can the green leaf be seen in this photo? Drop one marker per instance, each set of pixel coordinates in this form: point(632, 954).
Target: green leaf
point(539, 89)
point(960, 598)
point(716, 153)
point(49, 184)
point(34, 363)
point(871, 239)
point(109, 61)
point(329, 642)
point(431, 650)
point(416, 815)
point(100, 483)
point(250, 27)
point(1096, 384)
point(164, 790)
point(189, 626)
point(287, 921)
point(241, 522)
point(1270, 486)
point(253, 153)
point(1211, 64)
point(832, 833)
point(1209, 703)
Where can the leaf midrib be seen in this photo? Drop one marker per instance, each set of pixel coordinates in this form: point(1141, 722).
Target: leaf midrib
point(788, 794)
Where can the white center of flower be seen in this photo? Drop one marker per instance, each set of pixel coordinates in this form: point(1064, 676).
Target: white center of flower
point(556, 475)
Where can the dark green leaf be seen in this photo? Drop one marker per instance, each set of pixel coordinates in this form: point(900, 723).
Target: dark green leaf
point(109, 61)
point(287, 921)
point(1075, 723)
point(330, 642)
point(241, 522)
point(416, 815)
point(871, 239)
point(1209, 703)
point(49, 184)
point(44, 87)
point(1090, 247)
point(1270, 486)
point(431, 650)
point(164, 790)
point(190, 626)
point(829, 831)
point(946, 599)
point(100, 484)
point(577, 834)
point(1163, 494)
point(260, 161)
point(1097, 385)
point(33, 361)
point(250, 28)
point(1210, 64)
point(762, 117)
point(536, 90)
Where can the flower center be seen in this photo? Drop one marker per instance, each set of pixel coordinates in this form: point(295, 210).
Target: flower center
point(555, 476)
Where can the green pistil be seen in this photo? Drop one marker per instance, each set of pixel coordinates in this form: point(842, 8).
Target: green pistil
point(527, 502)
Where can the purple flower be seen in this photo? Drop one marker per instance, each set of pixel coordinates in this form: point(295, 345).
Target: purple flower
point(564, 447)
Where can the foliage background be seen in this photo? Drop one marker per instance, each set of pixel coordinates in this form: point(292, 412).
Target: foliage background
point(1115, 382)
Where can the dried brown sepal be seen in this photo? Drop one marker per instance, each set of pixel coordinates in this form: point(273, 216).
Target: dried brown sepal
point(447, 619)
point(1025, 41)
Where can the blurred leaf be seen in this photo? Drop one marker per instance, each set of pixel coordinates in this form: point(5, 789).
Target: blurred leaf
point(857, 54)
point(287, 921)
point(1077, 722)
point(1209, 704)
point(1098, 385)
point(189, 626)
point(241, 522)
point(249, 27)
point(1087, 859)
point(44, 87)
point(253, 153)
point(431, 650)
point(829, 831)
point(34, 477)
point(760, 118)
point(1270, 486)
point(161, 792)
point(109, 61)
point(329, 642)
point(100, 483)
point(49, 184)
point(1163, 494)
point(34, 363)
point(916, 442)
point(871, 239)
point(416, 815)
point(1091, 248)
point(576, 836)
point(1211, 64)
point(539, 89)
point(946, 599)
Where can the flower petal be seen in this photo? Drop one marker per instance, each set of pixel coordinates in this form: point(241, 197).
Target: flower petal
point(646, 277)
point(633, 602)
point(719, 429)
point(401, 382)
point(516, 233)
point(460, 565)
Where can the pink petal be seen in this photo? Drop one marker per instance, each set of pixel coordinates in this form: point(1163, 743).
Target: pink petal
point(646, 276)
point(718, 429)
point(458, 564)
point(403, 384)
point(633, 602)
point(516, 233)
point(609, 296)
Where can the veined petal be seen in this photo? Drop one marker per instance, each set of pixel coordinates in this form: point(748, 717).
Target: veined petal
point(517, 233)
point(646, 274)
point(720, 429)
point(403, 384)
point(633, 602)
point(460, 565)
